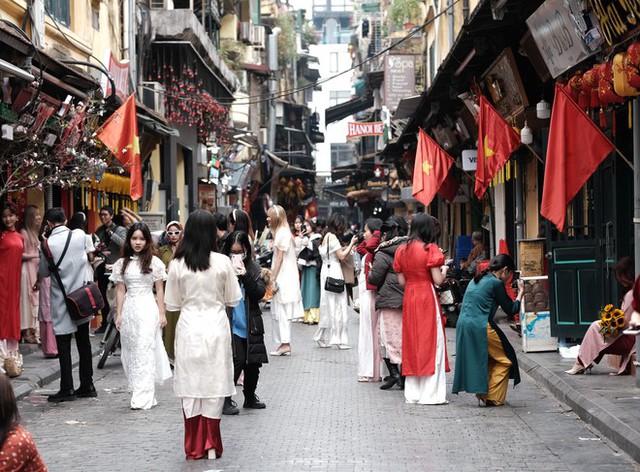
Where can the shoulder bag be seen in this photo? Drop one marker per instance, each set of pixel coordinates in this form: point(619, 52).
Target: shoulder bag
point(331, 284)
point(83, 302)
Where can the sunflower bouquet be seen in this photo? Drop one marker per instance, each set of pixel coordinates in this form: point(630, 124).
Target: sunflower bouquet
point(612, 320)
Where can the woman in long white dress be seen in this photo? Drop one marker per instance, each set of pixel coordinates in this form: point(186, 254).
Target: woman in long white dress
point(332, 327)
point(201, 284)
point(140, 317)
point(286, 304)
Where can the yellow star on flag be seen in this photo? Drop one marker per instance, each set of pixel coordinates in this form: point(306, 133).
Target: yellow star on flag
point(488, 152)
point(426, 167)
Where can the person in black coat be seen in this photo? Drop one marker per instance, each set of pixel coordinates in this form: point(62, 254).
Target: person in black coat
point(249, 350)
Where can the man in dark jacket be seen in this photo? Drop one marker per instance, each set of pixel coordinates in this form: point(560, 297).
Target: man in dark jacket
point(112, 238)
point(390, 294)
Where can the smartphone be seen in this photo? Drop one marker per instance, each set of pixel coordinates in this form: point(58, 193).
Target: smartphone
point(514, 281)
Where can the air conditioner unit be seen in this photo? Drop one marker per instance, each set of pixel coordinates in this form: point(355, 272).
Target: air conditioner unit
point(151, 95)
point(258, 37)
point(161, 4)
point(245, 32)
point(279, 113)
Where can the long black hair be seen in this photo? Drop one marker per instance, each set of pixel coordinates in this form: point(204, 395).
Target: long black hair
point(145, 256)
point(337, 225)
point(422, 229)
point(241, 238)
point(9, 415)
point(392, 228)
point(199, 241)
point(498, 262)
point(241, 222)
point(374, 224)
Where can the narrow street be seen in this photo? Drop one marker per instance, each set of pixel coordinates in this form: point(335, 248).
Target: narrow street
point(320, 418)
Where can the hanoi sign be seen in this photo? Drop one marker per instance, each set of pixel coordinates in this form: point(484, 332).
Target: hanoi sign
point(373, 128)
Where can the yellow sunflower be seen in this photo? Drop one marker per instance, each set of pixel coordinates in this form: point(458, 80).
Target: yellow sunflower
point(606, 317)
point(608, 307)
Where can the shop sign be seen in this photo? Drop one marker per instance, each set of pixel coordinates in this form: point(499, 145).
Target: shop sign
point(399, 79)
point(376, 184)
point(120, 74)
point(469, 160)
point(357, 129)
point(552, 28)
point(617, 18)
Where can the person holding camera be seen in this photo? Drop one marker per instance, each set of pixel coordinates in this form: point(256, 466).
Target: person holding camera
point(485, 360)
point(111, 238)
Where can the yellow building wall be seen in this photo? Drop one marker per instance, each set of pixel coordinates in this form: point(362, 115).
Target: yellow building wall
point(180, 183)
point(156, 172)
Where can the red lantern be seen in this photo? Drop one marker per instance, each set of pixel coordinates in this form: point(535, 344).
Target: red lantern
point(633, 64)
point(605, 89)
point(590, 83)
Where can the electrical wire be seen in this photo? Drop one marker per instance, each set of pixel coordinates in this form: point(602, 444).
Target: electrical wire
point(322, 81)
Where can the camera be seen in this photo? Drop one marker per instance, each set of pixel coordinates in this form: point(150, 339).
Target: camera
point(360, 236)
point(514, 281)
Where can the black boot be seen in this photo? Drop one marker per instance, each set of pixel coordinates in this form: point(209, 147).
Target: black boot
point(230, 407)
point(252, 401)
point(394, 375)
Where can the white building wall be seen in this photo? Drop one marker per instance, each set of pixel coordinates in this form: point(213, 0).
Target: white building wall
point(335, 132)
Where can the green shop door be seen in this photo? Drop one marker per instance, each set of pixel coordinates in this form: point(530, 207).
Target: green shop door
point(581, 261)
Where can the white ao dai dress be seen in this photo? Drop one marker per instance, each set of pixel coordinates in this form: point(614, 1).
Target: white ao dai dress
point(144, 357)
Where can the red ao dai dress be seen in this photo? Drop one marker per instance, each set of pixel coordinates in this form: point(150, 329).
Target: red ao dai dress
point(424, 354)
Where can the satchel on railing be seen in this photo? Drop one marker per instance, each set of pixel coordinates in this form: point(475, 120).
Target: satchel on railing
point(331, 284)
point(83, 302)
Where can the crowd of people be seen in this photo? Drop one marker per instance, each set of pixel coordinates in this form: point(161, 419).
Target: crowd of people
point(189, 306)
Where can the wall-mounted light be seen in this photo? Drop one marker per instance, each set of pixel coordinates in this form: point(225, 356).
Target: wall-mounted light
point(543, 110)
point(526, 134)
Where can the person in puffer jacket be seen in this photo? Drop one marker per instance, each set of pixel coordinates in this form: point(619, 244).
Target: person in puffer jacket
point(390, 295)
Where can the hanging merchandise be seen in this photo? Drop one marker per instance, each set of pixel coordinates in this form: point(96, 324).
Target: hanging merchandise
point(291, 191)
point(188, 103)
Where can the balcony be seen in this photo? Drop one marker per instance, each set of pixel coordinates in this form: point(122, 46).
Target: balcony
point(174, 26)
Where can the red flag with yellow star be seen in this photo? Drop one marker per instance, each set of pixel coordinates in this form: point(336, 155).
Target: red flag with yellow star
point(120, 134)
point(496, 142)
point(430, 169)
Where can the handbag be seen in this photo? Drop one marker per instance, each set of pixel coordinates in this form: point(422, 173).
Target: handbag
point(331, 284)
point(83, 302)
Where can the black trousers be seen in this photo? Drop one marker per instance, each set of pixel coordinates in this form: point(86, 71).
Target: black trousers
point(103, 283)
point(251, 371)
point(64, 356)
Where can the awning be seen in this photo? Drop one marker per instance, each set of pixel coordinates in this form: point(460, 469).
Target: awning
point(346, 109)
point(407, 107)
point(258, 69)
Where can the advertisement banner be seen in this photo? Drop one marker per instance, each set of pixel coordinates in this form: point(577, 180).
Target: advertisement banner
point(399, 79)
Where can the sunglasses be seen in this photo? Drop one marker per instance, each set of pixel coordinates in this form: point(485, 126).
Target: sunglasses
point(173, 233)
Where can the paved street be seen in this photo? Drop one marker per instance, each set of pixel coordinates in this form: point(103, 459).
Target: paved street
point(319, 417)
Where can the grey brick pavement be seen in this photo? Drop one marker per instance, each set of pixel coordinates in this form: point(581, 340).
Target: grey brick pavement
point(319, 418)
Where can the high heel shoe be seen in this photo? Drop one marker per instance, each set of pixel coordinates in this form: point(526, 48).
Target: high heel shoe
point(578, 369)
point(280, 353)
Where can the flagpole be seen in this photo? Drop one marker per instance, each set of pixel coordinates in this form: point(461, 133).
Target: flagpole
point(625, 159)
point(534, 153)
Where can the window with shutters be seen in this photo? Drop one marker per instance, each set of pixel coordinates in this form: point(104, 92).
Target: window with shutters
point(59, 10)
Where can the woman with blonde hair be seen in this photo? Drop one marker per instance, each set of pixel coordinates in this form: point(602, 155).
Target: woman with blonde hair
point(30, 260)
point(286, 303)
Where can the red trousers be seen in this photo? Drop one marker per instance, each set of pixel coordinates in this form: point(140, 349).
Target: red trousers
point(200, 435)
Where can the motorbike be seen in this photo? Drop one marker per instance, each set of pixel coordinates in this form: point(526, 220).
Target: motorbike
point(451, 293)
point(110, 342)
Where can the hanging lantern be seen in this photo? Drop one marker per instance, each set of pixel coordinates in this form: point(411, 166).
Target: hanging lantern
point(606, 91)
point(590, 84)
point(621, 78)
